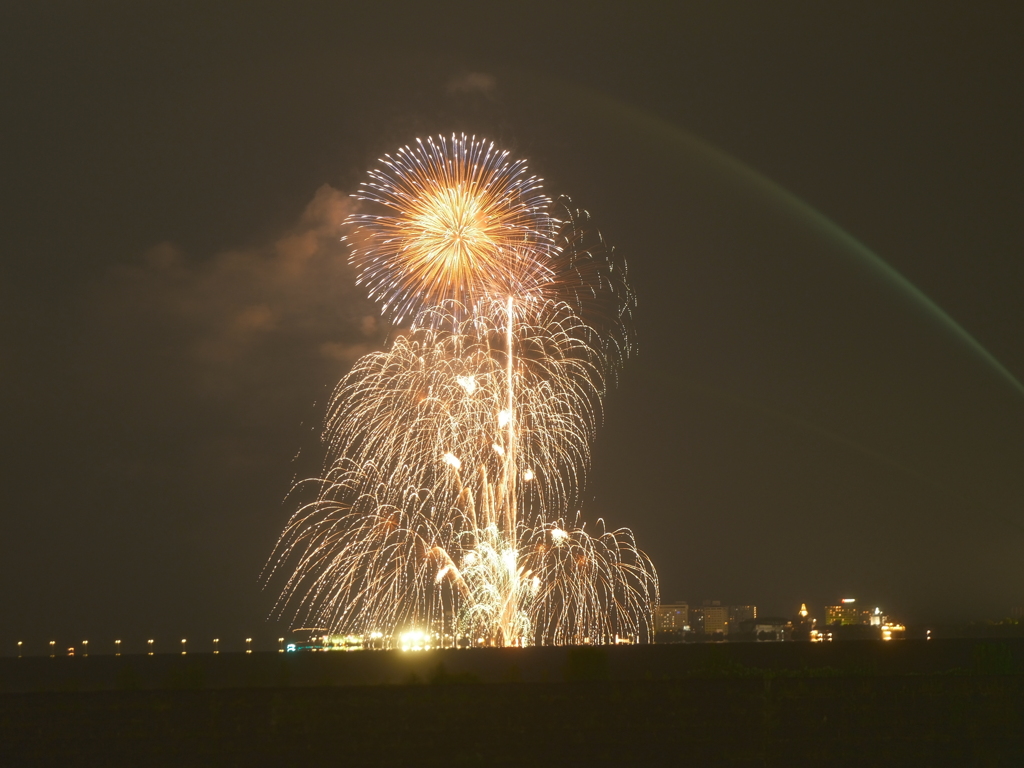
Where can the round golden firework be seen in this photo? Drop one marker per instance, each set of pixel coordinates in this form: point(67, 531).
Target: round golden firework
point(451, 221)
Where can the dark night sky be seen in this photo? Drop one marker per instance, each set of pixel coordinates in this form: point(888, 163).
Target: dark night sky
point(798, 426)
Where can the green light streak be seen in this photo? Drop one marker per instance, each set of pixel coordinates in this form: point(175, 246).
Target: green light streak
point(687, 146)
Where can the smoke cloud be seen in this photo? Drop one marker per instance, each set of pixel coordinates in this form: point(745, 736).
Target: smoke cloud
point(242, 319)
point(225, 361)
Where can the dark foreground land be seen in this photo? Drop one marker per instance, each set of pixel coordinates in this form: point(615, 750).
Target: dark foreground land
point(958, 703)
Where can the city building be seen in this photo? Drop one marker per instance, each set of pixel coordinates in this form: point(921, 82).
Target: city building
point(738, 613)
point(697, 620)
point(874, 617)
point(670, 617)
point(716, 617)
point(803, 624)
point(713, 618)
point(845, 613)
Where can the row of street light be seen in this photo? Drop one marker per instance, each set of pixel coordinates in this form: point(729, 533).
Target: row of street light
point(149, 647)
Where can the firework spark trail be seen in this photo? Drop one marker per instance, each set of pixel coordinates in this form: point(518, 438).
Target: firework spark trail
point(455, 455)
point(589, 277)
point(448, 389)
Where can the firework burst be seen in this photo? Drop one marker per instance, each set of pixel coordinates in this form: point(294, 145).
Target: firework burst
point(451, 221)
point(455, 455)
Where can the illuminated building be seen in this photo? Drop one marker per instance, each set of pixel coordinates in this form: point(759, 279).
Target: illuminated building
point(713, 618)
point(803, 624)
point(716, 617)
point(845, 613)
point(671, 616)
point(671, 622)
point(847, 622)
point(890, 630)
point(738, 613)
point(874, 617)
